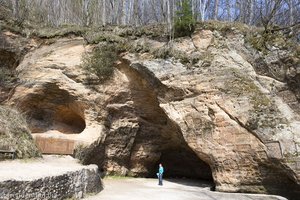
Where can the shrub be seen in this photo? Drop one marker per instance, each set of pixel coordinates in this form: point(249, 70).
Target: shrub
point(101, 62)
point(184, 20)
point(163, 53)
point(97, 37)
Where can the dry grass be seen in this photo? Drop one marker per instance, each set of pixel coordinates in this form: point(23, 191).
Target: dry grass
point(15, 135)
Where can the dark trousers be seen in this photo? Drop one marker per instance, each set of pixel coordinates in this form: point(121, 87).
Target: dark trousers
point(160, 179)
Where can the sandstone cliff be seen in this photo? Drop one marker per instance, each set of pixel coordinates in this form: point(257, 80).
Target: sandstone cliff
point(226, 112)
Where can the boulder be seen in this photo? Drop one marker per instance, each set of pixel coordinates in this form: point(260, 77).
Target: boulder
point(34, 180)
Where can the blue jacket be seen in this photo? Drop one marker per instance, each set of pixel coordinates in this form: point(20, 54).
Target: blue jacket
point(161, 170)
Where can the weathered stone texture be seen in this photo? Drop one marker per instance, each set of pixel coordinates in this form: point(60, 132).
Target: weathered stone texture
point(73, 184)
point(222, 116)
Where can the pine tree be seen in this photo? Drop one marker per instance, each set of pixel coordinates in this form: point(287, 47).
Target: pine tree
point(184, 20)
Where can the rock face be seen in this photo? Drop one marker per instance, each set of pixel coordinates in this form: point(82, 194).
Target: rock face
point(232, 118)
point(11, 52)
point(57, 103)
point(12, 49)
point(221, 118)
point(67, 180)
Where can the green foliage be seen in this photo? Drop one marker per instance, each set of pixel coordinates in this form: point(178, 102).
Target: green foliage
point(184, 20)
point(102, 60)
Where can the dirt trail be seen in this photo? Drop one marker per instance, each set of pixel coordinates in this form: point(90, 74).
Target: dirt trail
point(148, 189)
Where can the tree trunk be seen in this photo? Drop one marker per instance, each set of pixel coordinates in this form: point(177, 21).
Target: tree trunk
point(104, 12)
point(228, 10)
point(142, 21)
point(251, 15)
point(291, 12)
point(216, 9)
point(169, 16)
point(136, 16)
point(203, 9)
point(86, 13)
point(193, 7)
point(16, 9)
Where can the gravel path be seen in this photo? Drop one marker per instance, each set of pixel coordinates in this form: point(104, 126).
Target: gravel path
point(147, 189)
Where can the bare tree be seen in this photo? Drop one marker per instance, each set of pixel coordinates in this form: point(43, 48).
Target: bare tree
point(16, 9)
point(291, 11)
point(86, 12)
point(140, 12)
point(216, 9)
point(104, 12)
point(251, 10)
point(271, 8)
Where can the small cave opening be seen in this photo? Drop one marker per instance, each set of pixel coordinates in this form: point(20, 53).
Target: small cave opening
point(52, 109)
point(51, 117)
point(67, 120)
point(62, 119)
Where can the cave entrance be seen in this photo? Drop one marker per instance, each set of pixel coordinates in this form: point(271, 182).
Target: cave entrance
point(183, 166)
point(184, 163)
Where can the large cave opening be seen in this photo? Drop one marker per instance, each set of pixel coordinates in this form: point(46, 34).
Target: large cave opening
point(184, 163)
point(159, 139)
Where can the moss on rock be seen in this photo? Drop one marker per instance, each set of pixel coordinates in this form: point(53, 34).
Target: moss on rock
point(240, 85)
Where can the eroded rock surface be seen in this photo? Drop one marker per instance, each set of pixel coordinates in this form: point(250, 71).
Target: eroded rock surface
point(232, 118)
point(221, 117)
point(51, 93)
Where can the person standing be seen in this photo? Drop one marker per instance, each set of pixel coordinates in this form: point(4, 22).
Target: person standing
point(160, 174)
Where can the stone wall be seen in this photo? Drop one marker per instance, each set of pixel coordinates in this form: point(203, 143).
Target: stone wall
point(74, 184)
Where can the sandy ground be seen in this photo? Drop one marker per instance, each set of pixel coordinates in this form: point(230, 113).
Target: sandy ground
point(148, 189)
point(120, 188)
point(36, 168)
